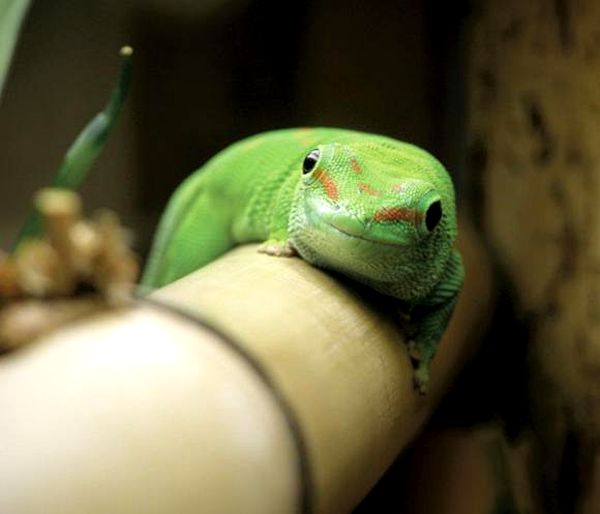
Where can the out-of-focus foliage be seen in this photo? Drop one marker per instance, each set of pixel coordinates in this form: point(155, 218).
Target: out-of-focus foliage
point(86, 148)
point(12, 13)
point(88, 145)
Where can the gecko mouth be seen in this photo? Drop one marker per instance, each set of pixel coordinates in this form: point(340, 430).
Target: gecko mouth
point(362, 238)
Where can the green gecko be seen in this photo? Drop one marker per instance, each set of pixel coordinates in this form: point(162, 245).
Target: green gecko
point(375, 209)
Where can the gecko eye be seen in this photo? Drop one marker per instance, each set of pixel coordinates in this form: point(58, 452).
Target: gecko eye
point(310, 161)
point(433, 215)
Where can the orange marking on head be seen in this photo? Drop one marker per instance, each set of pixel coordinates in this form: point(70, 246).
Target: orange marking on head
point(328, 183)
point(398, 188)
point(356, 168)
point(366, 188)
point(396, 214)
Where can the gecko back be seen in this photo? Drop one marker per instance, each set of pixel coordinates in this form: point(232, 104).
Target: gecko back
point(234, 198)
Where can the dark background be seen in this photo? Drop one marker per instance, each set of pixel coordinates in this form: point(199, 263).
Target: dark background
point(208, 73)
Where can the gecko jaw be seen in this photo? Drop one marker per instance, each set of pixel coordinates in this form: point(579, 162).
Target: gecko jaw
point(362, 238)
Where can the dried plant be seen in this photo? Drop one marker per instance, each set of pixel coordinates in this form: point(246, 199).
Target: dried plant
point(78, 266)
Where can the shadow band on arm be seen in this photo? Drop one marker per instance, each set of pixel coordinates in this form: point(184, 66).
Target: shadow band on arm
point(305, 482)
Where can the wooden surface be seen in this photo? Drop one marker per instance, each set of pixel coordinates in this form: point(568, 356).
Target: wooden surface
point(535, 165)
point(143, 411)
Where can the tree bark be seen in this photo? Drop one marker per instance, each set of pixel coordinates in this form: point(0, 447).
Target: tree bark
point(535, 190)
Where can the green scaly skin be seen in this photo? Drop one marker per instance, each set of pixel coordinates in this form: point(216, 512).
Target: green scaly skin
point(375, 209)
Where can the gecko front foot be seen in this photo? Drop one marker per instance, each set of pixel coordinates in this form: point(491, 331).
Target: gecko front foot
point(421, 378)
point(278, 248)
point(421, 360)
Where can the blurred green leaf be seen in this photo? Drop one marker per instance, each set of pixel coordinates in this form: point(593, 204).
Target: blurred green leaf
point(86, 148)
point(89, 143)
point(12, 13)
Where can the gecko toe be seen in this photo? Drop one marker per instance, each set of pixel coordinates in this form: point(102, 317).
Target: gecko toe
point(277, 249)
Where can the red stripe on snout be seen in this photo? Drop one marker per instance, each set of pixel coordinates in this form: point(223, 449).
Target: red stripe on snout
point(328, 183)
point(395, 214)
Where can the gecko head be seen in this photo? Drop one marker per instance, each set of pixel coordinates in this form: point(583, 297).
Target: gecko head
point(373, 208)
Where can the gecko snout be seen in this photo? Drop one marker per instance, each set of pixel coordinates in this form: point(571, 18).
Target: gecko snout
point(424, 214)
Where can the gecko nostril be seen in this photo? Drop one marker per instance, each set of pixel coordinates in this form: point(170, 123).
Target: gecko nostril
point(433, 215)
